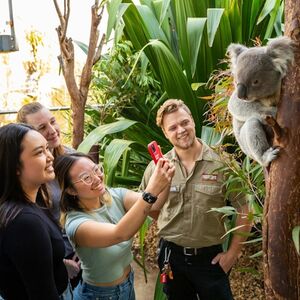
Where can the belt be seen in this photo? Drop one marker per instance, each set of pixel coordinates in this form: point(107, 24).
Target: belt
point(188, 251)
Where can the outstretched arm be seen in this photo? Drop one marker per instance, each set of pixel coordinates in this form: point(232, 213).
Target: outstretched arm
point(96, 234)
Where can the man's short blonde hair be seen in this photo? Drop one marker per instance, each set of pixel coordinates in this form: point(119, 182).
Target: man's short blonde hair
point(169, 107)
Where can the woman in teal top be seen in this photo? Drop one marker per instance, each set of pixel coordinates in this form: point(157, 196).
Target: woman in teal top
point(101, 223)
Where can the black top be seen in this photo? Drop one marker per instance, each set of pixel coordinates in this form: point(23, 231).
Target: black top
point(31, 257)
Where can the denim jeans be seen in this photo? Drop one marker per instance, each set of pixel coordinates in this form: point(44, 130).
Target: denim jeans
point(67, 295)
point(123, 291)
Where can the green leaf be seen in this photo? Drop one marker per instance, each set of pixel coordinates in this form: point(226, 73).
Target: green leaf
point(100, 132)
point(112, 9)
point(236, 22)
point(214, 16)
point(119, 26)
point(125, 163)
point(226, 210)
point(253, 241)
point(144, 64)
point(84, 47)
point(278, 22)
point(210, 136)
point(268, 7)
point(183, 10)
point(232, 230)
point(159, 294)
point(112, 155)
point(273, 16)
point(195, 27)
point(142, 233)
point(135, 28)
point(295, 235)
point(196, 85)
point(257, 254)
point(152, 26)
point(164, 8)
point(173, 79)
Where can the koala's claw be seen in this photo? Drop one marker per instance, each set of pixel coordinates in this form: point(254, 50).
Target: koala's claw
point(269, 156)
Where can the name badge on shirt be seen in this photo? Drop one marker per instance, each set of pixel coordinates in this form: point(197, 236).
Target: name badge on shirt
point(174, 188)
point(209, 177)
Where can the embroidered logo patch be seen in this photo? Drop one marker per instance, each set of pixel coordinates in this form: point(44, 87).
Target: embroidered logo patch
point(209, 177)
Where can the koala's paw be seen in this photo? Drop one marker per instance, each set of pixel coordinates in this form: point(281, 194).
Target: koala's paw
point(269, 155)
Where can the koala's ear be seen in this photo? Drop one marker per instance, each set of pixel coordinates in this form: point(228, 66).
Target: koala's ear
point(234, 50)
point(281, 51)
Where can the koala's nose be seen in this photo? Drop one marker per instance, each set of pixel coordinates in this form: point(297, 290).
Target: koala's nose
point(242, 91)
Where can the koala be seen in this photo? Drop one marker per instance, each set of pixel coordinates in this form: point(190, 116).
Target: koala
point(257, 73)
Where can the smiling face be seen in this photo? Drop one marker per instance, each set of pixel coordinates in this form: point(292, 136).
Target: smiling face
point(87, 180)
point(179, 129)
point(45, 123)
point(36, 162)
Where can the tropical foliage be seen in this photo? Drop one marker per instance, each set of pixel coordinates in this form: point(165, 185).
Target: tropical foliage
point(123, 141)
point(180, 43)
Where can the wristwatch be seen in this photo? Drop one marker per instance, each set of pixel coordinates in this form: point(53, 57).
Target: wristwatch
point(148, 197)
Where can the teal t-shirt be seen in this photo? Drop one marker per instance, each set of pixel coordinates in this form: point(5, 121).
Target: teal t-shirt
point(102, 264)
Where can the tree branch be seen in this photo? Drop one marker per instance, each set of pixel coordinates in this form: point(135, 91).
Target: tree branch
point(66, 17)
point(93, 41)
point(99, 49)
point(67, 61)
point(58, 11)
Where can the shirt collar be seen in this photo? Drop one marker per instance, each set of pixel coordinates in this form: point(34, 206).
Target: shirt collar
point(206, 153)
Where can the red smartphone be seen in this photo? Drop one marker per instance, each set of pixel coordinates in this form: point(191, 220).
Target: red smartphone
point(154, 151)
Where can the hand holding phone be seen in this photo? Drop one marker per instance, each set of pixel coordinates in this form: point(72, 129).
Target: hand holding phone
point(154, 151)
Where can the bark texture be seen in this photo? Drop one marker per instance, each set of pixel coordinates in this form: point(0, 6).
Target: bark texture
point(78, 90)
point(282, 206)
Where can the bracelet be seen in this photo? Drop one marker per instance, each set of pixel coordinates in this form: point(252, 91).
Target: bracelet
point(149, 198)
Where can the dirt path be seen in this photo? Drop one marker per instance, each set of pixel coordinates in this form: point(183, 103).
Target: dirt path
point(143, 290)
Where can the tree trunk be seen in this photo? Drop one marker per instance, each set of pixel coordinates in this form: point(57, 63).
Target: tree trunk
point(282, 205)
point(78, 92)
point(77, 108)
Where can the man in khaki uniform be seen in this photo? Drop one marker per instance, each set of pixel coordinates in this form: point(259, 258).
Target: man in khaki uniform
point(191, 237)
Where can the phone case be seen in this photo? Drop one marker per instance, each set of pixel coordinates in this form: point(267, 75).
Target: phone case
point(154, 151)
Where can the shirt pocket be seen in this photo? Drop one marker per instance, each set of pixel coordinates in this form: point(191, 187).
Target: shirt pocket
point(208, 196)
point(209, 189)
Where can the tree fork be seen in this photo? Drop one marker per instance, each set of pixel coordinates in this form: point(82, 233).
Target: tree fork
point(78, 91)
point(282, 205)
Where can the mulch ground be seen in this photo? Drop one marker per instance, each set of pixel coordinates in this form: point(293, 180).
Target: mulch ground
point(245, 285)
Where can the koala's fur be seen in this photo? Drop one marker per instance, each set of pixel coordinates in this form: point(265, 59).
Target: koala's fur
point(257, 75)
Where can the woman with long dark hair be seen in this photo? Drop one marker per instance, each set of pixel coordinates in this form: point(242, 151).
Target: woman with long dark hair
point(31, 245)
point(41, 119)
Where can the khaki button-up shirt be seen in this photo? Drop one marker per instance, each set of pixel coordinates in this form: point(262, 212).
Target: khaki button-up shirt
point(185, 218)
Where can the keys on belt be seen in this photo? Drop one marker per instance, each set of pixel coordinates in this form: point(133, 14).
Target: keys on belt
point(166, 271)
